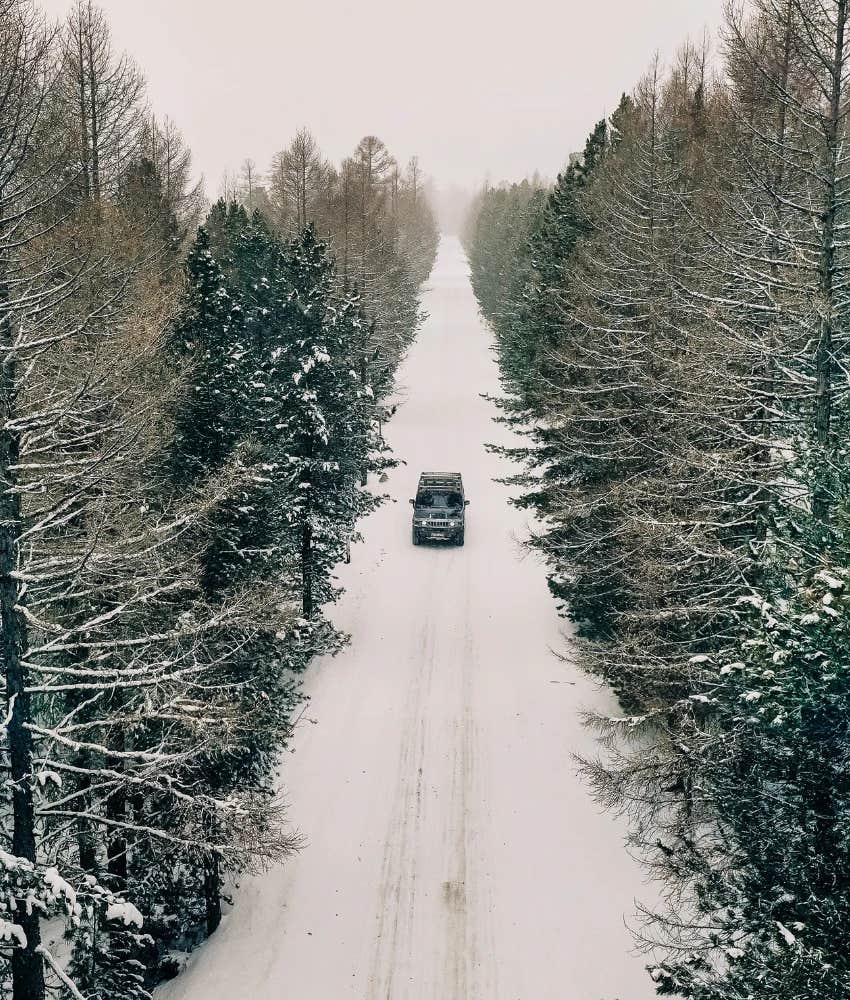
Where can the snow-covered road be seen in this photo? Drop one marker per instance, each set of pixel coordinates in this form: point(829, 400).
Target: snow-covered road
point(452, 851)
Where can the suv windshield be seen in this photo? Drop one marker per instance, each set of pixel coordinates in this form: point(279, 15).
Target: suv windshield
point(439, 501)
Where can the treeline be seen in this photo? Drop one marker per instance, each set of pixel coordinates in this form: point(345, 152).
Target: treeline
point(376, 216)
point(672, 318)
point(187, 417)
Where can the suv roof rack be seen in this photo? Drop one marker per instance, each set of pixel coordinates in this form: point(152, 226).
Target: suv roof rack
point(440, 479)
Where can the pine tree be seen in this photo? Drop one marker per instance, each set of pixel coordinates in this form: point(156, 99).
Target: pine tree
point(324, 419)
point(209, 331)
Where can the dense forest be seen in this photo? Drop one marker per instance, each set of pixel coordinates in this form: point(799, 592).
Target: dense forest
point(672, 318)
point(191, 407)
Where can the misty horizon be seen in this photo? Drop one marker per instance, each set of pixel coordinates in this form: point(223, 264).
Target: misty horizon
point(478, 94)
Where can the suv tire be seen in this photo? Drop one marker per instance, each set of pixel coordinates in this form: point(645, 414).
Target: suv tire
point(415, 537)
point(459, 539)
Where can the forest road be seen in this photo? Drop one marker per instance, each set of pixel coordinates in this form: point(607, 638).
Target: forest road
point(452, 852)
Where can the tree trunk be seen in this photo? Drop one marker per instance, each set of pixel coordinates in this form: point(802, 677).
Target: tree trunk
point(303, 205)
point(823, 355)
point(364, 472)
point(116, 847)
point(95, 127)
point(84, 118)
point(345, 239)
point(115, 809)
point(307, 570)
point(768, 394)
point(85, 834)
point(27, 968)
point(212, 892)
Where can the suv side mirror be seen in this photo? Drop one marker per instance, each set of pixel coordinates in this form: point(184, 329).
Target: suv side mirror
point(466, 503)
point(413, 502)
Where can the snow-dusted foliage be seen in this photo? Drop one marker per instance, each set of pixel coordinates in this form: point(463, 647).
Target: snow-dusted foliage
point(277, 423)
point(113, 656)
point(378, 222)
point(672, 329)
point(182, 460)
point(276, 355)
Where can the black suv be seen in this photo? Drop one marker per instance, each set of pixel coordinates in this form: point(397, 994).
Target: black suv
point(439, 510)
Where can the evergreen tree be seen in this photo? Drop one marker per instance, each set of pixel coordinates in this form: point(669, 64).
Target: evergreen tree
point(210, 332)
point(325, 418)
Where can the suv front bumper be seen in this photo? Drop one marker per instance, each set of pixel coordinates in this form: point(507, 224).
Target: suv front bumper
point(427, 533)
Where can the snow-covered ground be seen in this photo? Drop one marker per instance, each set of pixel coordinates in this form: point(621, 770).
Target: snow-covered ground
point(452, 851)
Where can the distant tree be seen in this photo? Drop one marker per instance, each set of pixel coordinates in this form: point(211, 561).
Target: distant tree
point(163, 144)
point(295, 182)
point(143, 200)
point(104, 101)
point(249, 183)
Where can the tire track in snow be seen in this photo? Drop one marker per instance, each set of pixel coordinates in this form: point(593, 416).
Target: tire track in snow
point(397, 894)
point(469, 967)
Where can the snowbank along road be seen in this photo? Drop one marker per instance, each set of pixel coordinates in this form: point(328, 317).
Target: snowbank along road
point(452, 853)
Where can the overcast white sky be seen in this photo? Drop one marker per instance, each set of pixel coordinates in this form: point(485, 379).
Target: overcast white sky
point(475, 87)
